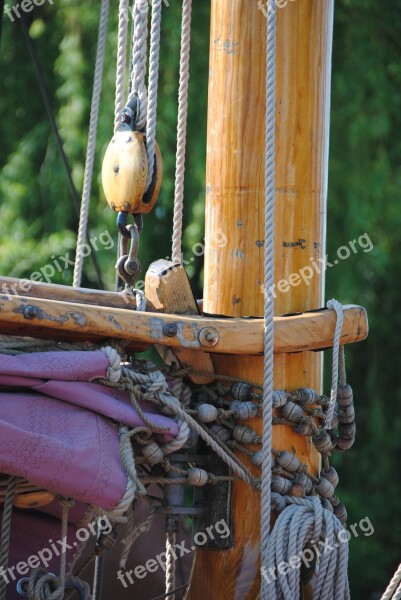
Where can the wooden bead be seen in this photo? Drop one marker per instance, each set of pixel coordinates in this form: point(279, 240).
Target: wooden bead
point(292, 412)
point(343, 444)
point(221, 432)
point(280, 398)
point(280, 485)
point(347, 430)
point(278, 503)
point(197, 477)
point(125, 171)
point(322, 442)
point(346, 414)
point(324, 488)
point(303, 480)
point(341, 513)
point(331, 475)
point(289, 461)
point(257, 459)
point(303, 428)
point(344, 395)
point(153, 453)
point(327, 505)
point(306, 396)
point(245, 435)
point(207, 413)
point(241, 391)
point(244, 410)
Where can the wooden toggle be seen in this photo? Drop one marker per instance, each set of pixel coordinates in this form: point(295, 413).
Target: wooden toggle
point(62, 320)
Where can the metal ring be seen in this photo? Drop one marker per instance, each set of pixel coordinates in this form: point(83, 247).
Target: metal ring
point(21, 584)
point(122, 222)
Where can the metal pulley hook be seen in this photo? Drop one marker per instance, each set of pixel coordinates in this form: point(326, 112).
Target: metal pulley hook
point(128, 265)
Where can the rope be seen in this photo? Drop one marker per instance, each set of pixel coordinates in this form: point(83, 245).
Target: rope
point(181, 130)
point(66, 504)
point(135, 532)
point(338, 307)
point(170, 565)
point(269, 282)
point(121, 62)
point(393, 590)
point(5, 532)
point(138, 74)
point(304, 526)
point(90, 152)
point(153, 87)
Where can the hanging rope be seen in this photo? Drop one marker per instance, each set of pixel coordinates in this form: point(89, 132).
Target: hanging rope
point(153, 87)
point(338, 358)
point(296, 534)
point(269, 282)
point(393, 591)
point(90, 152)
point(121, 62)
point(6, 531)
point(170, 565)
point(139, 56)
point(176, 255)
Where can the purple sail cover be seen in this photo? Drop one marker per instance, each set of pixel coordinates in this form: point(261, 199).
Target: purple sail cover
point(62, 433)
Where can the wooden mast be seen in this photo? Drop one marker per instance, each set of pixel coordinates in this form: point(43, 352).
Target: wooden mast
point(235, 206)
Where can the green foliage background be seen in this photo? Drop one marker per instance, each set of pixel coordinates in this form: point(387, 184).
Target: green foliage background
point(37, 219)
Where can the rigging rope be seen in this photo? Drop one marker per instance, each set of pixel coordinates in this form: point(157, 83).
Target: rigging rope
point(90, 153)
point(176, 255)
point(121, 62)
point(269, 282)
point(393, 591)
point(153, 84)
point(138, 74)
point(5, 532)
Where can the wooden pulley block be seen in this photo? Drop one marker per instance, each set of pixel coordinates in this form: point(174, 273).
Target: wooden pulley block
point(125, 172)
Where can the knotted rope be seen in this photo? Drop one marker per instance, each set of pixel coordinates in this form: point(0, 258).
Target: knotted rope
point(90, 152)
point(268, 283)
point(181, 131)
point(121, 62)
point(338, 358)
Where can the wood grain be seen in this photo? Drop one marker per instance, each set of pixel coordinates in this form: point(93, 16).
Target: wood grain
point(235, 208)
point(168, 288)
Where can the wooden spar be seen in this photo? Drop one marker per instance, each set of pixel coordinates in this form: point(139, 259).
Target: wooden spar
point(66, 320)
point(235, 208)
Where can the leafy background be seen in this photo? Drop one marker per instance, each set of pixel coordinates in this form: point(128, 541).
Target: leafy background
point(37, 219)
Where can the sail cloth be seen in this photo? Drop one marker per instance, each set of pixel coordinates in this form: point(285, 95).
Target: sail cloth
point(60, 431)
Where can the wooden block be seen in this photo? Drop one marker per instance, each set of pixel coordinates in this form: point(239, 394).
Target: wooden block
point(168, 288)
point(33, 500)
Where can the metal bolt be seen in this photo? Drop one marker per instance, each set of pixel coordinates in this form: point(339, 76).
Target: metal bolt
point(116, 168)
point(113, 206)
point(127, 206)
point(170, 329)
point(30, 312)
point(129, 138)
point(209, 336)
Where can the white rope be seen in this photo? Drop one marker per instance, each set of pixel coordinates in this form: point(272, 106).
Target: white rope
point(121, 62)
point(269, 282)
point(394, 587)
point(153, 87)
point(170, 565)
point(6, 532)
point(90, 152)
point(303, 522)
point(139, 56)
point(181, 131)
point(337, 358)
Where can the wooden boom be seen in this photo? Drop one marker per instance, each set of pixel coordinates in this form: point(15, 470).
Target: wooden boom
point(235, 206)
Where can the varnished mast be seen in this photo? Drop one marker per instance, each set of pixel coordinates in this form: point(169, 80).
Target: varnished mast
point(235, 206)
